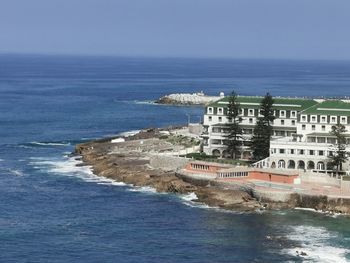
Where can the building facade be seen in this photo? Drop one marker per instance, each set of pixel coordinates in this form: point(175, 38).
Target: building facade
point(311, 147)
point(301, 138)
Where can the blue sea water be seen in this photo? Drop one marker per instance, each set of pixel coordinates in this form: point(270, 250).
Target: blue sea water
point(54, 211)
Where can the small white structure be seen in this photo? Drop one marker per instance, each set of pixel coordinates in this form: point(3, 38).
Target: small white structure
point(118, 140)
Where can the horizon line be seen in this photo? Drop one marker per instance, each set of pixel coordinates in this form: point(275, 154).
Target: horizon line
point(49, 54)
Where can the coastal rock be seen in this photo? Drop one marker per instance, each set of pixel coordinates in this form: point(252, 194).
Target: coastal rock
point(132, 166)
point(188, 99)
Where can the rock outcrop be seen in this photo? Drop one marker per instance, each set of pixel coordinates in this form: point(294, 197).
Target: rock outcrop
point(188, 99)
point(133, 167)
point(130, 162)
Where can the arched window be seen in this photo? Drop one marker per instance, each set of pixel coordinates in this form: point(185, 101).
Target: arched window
point(310, 165)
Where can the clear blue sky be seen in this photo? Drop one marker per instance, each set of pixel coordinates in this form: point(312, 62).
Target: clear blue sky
point(306, 29)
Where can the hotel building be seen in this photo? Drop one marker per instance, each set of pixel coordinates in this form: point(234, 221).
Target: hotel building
point(301, 131)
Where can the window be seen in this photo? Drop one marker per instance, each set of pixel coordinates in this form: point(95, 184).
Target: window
point(210, 118)
point(282, 113)
point(247, 131)
point(251, 112)
point(303, 127)
point(293, 114)
point(321, 139)
point(313, 127)
point(303, 118)
point(241, 111)
point(282, 122)
point(313, 118)
point(320, 153)
point(210, 110)
point(331, 140)
point(293, 122)
point(323, 119)
point(220, 119)
point(282, 151)
point(292, 151)
point(220, 111)
point(333, 119)
point(250, 120)
point(343, 120)
point(301, 152)
point(311, 139)
point(323, 127)
point(311, 152)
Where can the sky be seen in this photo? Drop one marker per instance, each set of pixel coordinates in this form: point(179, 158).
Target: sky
point(276, 29)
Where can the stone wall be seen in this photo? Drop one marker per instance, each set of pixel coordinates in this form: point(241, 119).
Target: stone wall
point(318, 177)
point(345, 186)
point(168, 163)
point(271, 196)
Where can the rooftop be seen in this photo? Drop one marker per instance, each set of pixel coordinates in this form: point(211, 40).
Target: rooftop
point(279, 103)
point(330, 107)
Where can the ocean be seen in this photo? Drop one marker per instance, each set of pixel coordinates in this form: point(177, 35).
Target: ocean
point(53, 211)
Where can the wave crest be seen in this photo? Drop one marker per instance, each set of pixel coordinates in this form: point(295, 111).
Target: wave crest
point(316, 242)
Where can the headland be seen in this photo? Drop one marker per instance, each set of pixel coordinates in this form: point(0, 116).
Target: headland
point(157, 158)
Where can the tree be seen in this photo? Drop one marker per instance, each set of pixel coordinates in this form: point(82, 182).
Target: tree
point(339, 154)
point(234, 137)
point(263, 129)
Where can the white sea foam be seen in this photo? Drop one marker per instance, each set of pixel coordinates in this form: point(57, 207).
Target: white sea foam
point(147, 102)
point(50, 143)
point(129, 133)
point(189, 197)
point(316, 243)
point(16, 172)
point(71, 167)
point(143, 189)
point(1, 160)
point(308, 209)
point(318, 211)
point(190, 200)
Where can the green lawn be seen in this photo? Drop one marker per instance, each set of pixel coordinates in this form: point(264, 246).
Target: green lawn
point(211, 158)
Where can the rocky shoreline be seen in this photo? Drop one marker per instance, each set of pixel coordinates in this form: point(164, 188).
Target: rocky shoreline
point(133, 167)
point(131, 160)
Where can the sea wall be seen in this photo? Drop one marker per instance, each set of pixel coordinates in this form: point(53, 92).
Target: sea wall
point(272, 196)
point(345, 186)
point(318, 177)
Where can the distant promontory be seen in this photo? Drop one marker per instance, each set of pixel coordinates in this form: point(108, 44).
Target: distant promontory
point(198, 98)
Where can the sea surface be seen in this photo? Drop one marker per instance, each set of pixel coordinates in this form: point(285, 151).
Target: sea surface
point(53, 211)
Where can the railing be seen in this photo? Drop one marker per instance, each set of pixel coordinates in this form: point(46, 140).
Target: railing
point(298, 143)
point(264, 163)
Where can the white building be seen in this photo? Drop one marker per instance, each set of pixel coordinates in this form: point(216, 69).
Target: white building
point(312, 145)
point(300, 140)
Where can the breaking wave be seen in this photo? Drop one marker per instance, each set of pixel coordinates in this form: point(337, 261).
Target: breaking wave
point(144, 189)
point(71, 166)
point(316, 243)
point(50, 143)
point(129, 133)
